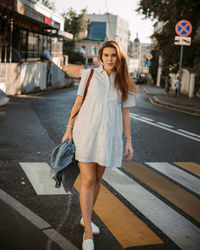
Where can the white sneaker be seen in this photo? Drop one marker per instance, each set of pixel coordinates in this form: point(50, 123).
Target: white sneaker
point(95, 229)
point(87, 244)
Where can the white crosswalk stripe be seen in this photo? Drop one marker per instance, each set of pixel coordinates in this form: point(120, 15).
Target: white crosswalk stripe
point(39, 176)
point(177, 175)
point(178, 228)
point(175, 226)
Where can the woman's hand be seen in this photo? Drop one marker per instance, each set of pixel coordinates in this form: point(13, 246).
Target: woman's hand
point(129, 150)
point(67, 135)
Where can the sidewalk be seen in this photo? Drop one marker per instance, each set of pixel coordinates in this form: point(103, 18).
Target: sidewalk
point(182, 103)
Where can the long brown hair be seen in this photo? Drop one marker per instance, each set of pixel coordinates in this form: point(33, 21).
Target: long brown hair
point(122, 82)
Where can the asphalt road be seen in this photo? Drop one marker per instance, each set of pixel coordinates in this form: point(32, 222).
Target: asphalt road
point(31, 126)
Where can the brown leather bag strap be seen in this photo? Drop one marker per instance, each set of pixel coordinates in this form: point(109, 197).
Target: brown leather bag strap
point(88, 82)
point(86, 89)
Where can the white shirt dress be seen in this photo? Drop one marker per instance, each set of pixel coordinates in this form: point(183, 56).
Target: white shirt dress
point(98, 127)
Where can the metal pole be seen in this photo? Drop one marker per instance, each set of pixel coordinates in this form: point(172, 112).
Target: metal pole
point(180, 69)
point(181, 59)
point(11, 39)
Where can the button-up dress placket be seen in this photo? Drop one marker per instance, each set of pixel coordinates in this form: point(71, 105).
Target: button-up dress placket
point(98, 127)
point(104, 116)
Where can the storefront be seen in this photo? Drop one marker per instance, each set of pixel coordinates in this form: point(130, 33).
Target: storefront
point(24, 31)
point(25, 27)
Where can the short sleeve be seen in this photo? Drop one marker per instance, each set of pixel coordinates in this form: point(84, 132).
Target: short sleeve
point(130, 102)
point(83, 82)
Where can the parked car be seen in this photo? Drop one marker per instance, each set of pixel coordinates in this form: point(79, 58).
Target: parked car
point(134, 78)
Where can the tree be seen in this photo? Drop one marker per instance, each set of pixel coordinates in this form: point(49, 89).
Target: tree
point(49, 4)
point(168, 13)
point(74, 24)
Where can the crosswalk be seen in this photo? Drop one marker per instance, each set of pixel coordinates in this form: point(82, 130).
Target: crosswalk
point(165, 195)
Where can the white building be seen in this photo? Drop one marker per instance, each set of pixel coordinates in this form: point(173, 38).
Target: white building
point(29, 25)
point(137, 55)
point(26, 26)
point(117, 28)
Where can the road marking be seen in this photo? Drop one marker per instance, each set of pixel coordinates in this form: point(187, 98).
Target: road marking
point(39, 176)
point(176, 174)
point(37, 221)
point(189, 133)
point(59, 239)
point(175, 194)
point(189, 166)
point(148, 119)
point(3, 113)
point(164, 124)
point(27, 213)
point(168, 129)
point(180, 230)
point(126, 227)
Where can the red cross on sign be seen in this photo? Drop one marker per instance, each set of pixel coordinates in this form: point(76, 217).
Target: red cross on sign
point(183, 28)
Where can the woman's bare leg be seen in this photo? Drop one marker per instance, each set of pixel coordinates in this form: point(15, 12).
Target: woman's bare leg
point(88, 177)
point(99, 174)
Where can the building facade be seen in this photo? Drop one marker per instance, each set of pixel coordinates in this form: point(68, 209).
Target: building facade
point(27, 26)
point(117, 28)
point(137, 55)
point(89, 46)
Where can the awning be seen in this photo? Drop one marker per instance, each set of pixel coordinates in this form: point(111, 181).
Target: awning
point(65, 35)
point(26, 22)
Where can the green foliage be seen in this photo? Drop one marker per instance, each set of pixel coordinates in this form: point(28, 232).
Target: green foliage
point(75, 23)
point(49, 4)
point(154, 66)
point(169, 13)
point(74, 57)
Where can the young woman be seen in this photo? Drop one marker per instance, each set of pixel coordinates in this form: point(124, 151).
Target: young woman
point(97, 129)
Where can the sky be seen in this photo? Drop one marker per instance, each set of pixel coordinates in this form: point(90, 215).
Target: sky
point(122, 8)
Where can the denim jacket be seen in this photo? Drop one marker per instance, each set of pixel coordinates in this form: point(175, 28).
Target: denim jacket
point(64, 167)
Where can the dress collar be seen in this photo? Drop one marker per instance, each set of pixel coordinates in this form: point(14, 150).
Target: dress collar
point(101, 70)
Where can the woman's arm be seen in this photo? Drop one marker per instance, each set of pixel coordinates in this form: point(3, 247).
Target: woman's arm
point(76, 107)
point(127, 132)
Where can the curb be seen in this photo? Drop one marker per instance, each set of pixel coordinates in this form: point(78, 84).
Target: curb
point(46, 91)
point(184, 109)
point(155, 100)
point(145, 91)
point(50, 90)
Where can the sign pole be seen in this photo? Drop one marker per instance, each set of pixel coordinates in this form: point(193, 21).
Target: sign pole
point(180, 70)
point(181, 59)
point(183, 30)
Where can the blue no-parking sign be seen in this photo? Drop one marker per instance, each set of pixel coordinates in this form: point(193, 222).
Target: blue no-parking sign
point(183, 28)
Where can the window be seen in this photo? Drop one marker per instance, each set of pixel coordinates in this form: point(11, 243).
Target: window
point(93, 50)
point(33, 45)
point(36, 46)
point(83, 50)
point(40, 41)
point(56, 47)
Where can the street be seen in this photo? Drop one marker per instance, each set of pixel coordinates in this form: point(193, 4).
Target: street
point(152, 202)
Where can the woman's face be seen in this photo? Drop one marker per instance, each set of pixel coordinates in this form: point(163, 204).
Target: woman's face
point(109, 58)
